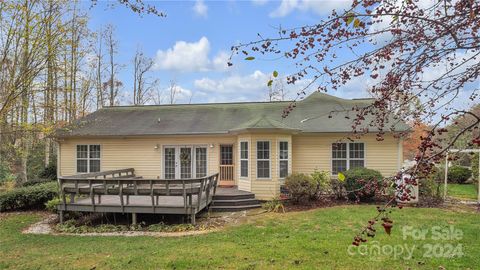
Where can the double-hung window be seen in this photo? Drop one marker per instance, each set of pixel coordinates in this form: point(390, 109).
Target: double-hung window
point(243, 159)
point(88, 158)
point(263, 159)
point(283, 159)
point(347, 156)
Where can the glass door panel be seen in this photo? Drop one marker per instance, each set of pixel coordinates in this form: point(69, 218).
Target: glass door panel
point(170, 162)
point(185, 162)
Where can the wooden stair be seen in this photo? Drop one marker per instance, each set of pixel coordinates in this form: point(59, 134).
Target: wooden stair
point(232, 199)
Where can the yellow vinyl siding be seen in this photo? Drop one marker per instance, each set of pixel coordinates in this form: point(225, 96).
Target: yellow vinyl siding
point(139, 153)
point(307, 152)
point(312, 152)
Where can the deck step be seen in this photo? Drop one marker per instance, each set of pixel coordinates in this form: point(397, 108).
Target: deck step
point(234, 197)
point(237, 202)
point(233, 208)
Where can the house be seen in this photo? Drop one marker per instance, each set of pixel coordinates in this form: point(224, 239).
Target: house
point(249, 144)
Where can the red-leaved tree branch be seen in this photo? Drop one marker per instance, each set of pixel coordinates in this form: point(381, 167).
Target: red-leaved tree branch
point(421, 59)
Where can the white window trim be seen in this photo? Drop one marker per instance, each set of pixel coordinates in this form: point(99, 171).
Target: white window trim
point(348, 156)
point(288, 158)
point(194, 164)
point(269, 159)
point(242, 159)
point(88, 157)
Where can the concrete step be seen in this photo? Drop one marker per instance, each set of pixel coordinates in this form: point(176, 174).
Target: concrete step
point(235, 202)
point(233, 208)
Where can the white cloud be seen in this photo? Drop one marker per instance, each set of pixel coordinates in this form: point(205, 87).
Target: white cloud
point(250, 87)
point(320, 7)
point(190, 56)
point(200, 8)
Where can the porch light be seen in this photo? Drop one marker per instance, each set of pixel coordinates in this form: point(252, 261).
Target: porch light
point(212, 145)
point(156, 147)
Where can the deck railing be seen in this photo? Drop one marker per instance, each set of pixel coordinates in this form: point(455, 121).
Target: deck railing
point(124, 183)
point(226, 172)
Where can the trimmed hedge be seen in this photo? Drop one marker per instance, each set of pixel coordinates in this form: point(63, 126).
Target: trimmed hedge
point(37, 182)
point(25, 198)
point(361, 183)
point(459, 174)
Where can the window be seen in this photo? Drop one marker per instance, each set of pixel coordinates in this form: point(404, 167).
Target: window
point(243, 159)
point(283, 159)
point(200, 162)
point(347, 156)
point(226, 154)
point(88, 158)
point(263, 159)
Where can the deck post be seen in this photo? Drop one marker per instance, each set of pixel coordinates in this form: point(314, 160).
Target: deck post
point(134, 218)
point(60, 215)
point(192, 218)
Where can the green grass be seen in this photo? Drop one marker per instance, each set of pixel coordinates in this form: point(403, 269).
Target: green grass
point(462, 191)
point(301, 240)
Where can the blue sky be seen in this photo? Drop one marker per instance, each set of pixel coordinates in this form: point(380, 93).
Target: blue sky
point(192, 43)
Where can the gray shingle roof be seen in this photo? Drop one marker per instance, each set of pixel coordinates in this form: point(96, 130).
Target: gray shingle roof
point(310, 115)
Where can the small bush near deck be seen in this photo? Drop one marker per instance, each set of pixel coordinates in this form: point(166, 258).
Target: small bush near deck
point(362, 183)
point(275, 205)
point(52, 204)
point(301, 187)
point(459, 174)
point(24, 198)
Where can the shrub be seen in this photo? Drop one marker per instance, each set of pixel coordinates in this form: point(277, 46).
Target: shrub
point(36, 182)
point(362, 183)
point(459, 174)
point(52, 204)
point(49, 172)
point(301, 187)
point(274, 205)
point(338, 189)
point(430, 186)
point(33, 197)
point(322, 180)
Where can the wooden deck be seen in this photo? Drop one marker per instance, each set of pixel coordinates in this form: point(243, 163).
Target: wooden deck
point(121, 191)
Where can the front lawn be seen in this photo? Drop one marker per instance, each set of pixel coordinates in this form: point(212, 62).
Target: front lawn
point(300, 240)
point(462, 191)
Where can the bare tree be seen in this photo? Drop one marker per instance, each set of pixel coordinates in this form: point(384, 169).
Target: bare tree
point(98, 67)
point(142, 85)
point(173, 91)
point(112, 49)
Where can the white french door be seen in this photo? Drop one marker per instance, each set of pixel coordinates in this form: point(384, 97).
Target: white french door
point(184, 162)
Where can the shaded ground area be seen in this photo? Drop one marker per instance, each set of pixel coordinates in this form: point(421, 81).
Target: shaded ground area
point(295, 240)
